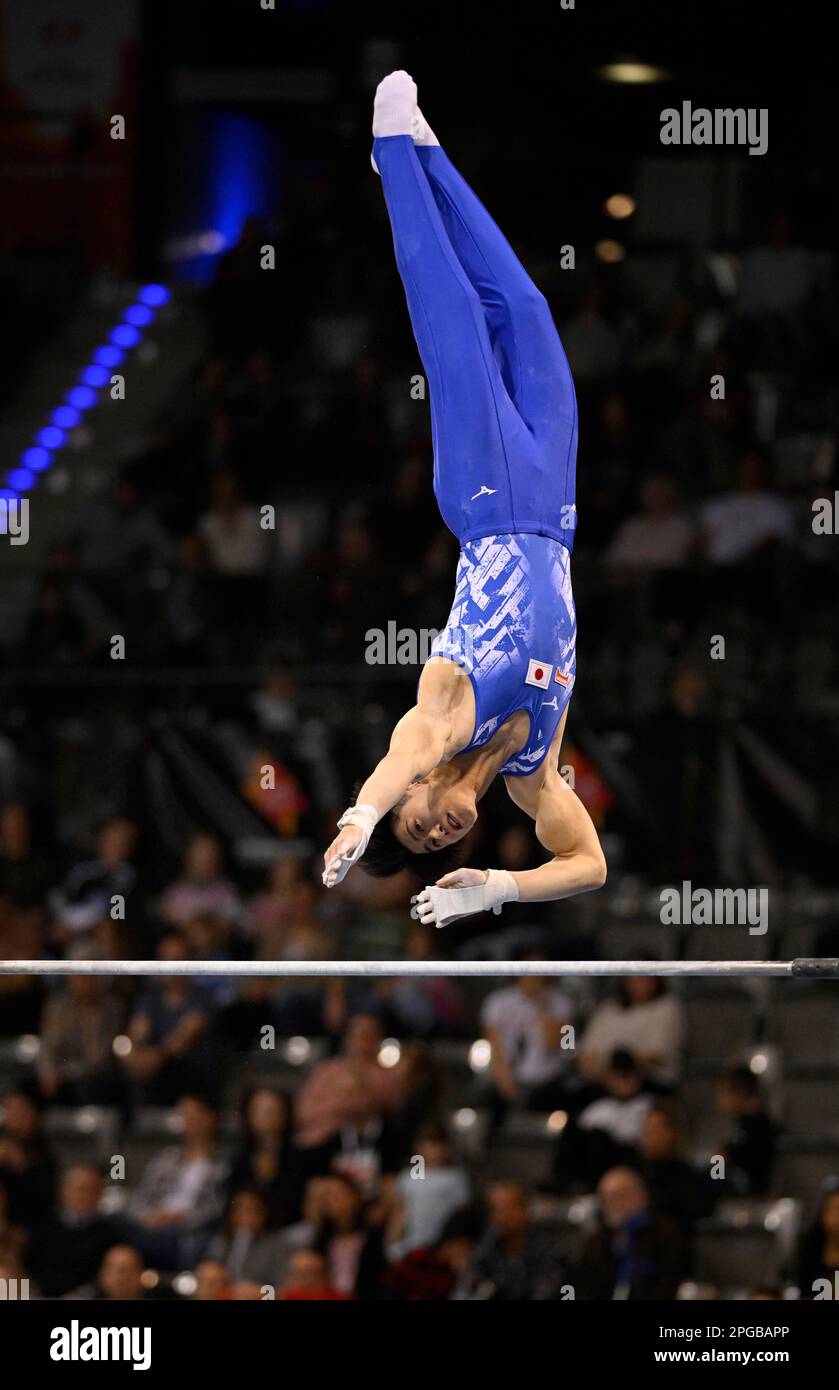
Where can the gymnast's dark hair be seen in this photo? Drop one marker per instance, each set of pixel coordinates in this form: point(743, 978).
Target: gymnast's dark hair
point(386, 856)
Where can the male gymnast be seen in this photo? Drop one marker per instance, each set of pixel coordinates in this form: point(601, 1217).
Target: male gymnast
point(493, 698)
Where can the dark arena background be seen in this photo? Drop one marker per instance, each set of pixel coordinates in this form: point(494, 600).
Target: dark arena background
point(221, 567)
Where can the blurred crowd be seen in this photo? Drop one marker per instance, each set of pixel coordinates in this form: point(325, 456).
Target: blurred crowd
point(357, 1179)
point(708, 429)
point(147, 1148)
point(216, 1137)
point(280, 508)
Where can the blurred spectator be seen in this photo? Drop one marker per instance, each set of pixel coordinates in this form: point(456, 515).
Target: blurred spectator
point(77, 604)
point(250, 1247)
point(202, 890)
point(346, 1090)
point(118, 538)
point(659, 536)
point(238, 1025)
point(351, 1245)
point(607, 1131)
point(76, 1063)
point(120, 1277)
point(593, 345)
point(420, 1101)
point(740, 524)
point(284, 925)
point(20, 995)
point(168, 1034)
point(818, 1251)
point(350, 585)
point(617, 455)
point(525, 1024)
point(276, 705)
point(636, 1253)
point(27, 1167)
point(441, 1271)
point(58, 632)
point(12, 1236)
point(264, 1159)
point(270, 913)
point(748, 1144)
point(86, 896)
point(210, 938)
point(680, 767)
point(308, 1279)
point(180, 1193)
point(778, 283)
point(417, 1006)
point(515, 1259)
point(673, 1184)
point(405, 519)
point(211, 1281)
point(67, 1249)
point(426, 1194)
point(231, 531)
point(237, 551)
point(186, 615)
point(645, 1019)
point(25, 872)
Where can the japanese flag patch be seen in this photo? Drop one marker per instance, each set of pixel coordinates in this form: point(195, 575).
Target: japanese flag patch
point(539, 673)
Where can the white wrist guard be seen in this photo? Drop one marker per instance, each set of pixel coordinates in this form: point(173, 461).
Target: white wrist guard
point(440, 906)
point(366, 817)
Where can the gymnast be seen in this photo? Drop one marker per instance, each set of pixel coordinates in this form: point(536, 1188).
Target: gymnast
point(492, 699)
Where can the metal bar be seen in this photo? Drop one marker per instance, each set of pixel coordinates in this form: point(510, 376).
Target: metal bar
point(800, 969)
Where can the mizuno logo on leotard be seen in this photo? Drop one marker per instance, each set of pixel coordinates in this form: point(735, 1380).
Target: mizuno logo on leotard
point(551, 704)
point(484, 492)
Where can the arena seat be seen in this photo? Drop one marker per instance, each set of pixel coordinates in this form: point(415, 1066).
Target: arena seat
point(806, 1025)
point(810, 1099)
point(719, 1024)
point(736, 1255)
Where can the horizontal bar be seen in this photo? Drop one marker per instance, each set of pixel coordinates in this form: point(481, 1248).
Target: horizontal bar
point(287, 969)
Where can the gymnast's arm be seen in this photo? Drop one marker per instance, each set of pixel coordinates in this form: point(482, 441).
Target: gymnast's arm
point(563, 826)
point(417, 745)
point(436, 728)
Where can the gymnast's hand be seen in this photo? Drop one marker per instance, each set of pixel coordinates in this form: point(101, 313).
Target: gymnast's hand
point(463, 893)
point(356, 826)
point(345, 849)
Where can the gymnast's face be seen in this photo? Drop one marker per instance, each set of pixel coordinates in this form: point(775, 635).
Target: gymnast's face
point(430, 817)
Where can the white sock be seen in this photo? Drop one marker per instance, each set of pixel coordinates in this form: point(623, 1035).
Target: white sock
point(421, 132)
point(394, 106)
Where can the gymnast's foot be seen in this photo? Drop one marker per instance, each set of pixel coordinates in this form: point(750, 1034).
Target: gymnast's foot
point(395, 104)
point(394, 107)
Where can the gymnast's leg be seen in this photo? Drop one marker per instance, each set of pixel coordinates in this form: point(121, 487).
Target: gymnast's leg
point(531, 358)
point(479, 437)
